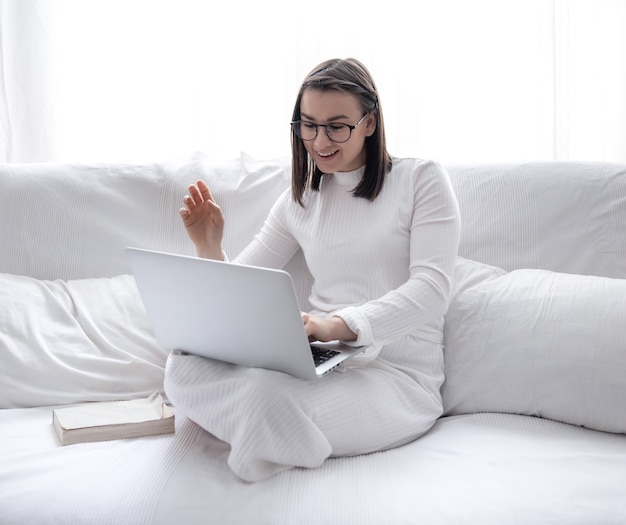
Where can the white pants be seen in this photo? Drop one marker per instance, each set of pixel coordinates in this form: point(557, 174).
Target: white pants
point(273, 421)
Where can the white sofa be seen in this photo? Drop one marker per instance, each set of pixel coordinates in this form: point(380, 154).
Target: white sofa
point(535, 396)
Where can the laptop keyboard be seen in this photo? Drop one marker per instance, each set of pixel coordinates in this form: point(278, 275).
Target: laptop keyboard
point(321, 355)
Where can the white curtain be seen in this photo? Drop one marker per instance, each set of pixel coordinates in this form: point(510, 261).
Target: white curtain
point(481, 80)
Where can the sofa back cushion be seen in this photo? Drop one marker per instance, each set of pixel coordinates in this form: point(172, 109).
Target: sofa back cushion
point(73, 221)
point(562, 216)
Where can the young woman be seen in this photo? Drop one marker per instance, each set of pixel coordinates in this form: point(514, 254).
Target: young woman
point(380, 237)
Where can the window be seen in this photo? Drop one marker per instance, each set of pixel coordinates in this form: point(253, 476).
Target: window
point(487, 80)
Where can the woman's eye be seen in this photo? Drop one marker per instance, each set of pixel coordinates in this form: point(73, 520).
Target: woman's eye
point(309, 125)
point(336, 127)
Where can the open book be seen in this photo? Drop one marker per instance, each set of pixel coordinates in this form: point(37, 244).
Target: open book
point(113, 420)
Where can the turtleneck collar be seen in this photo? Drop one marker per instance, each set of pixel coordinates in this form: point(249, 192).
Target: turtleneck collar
point(349, 178)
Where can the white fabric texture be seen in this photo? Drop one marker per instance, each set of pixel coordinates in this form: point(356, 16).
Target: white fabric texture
point(468, 274)
point(386, 274)
point(539, 343)
point(560, 216)
point(273, 421)
point(67, 342)
point(392, 291)
point(481, 468)
point(73, 221)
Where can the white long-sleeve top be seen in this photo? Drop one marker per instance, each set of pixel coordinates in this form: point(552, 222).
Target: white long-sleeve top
point(383, 266)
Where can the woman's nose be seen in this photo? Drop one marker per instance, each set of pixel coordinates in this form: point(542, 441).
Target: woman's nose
point(322, 138)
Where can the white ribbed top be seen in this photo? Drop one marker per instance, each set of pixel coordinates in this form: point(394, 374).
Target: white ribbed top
point(385, 266)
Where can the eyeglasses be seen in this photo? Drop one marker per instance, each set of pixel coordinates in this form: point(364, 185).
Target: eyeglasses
point(336, 132)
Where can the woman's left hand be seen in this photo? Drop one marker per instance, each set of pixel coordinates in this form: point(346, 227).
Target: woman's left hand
point(326, 328)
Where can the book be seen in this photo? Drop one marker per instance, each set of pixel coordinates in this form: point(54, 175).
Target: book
point(103, 421)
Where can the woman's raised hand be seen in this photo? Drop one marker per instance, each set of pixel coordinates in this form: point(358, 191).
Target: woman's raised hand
point(204, 221)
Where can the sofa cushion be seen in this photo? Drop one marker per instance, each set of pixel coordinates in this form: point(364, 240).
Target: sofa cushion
point(468, 273)
point(73, 221)
point(539, 343)
point(563, 216)
point(67, 342)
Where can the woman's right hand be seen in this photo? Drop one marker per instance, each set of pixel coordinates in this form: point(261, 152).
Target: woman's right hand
point(204, 221)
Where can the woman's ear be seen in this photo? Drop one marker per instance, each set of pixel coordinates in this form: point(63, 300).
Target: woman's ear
point(371, 122)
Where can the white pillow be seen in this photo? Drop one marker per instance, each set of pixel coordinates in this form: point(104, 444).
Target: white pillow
point(468, 273)
point(539, 343)
point(67, 342)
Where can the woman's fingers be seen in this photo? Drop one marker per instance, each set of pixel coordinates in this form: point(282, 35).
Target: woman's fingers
point(205, 192)
point(194, 195)
point(198, 194)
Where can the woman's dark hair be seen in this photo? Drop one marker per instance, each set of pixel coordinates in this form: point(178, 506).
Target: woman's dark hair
point(346, 76)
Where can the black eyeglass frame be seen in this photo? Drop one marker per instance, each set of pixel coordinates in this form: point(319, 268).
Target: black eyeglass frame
point(296, 123)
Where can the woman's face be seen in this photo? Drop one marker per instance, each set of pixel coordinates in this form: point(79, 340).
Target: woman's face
point(335, 107)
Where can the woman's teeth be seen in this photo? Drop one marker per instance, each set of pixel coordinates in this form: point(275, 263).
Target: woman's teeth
point(326, 154)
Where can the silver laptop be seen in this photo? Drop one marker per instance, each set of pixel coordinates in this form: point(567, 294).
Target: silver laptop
point(244, 315)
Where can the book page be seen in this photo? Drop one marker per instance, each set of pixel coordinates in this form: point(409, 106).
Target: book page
point(111, 413)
